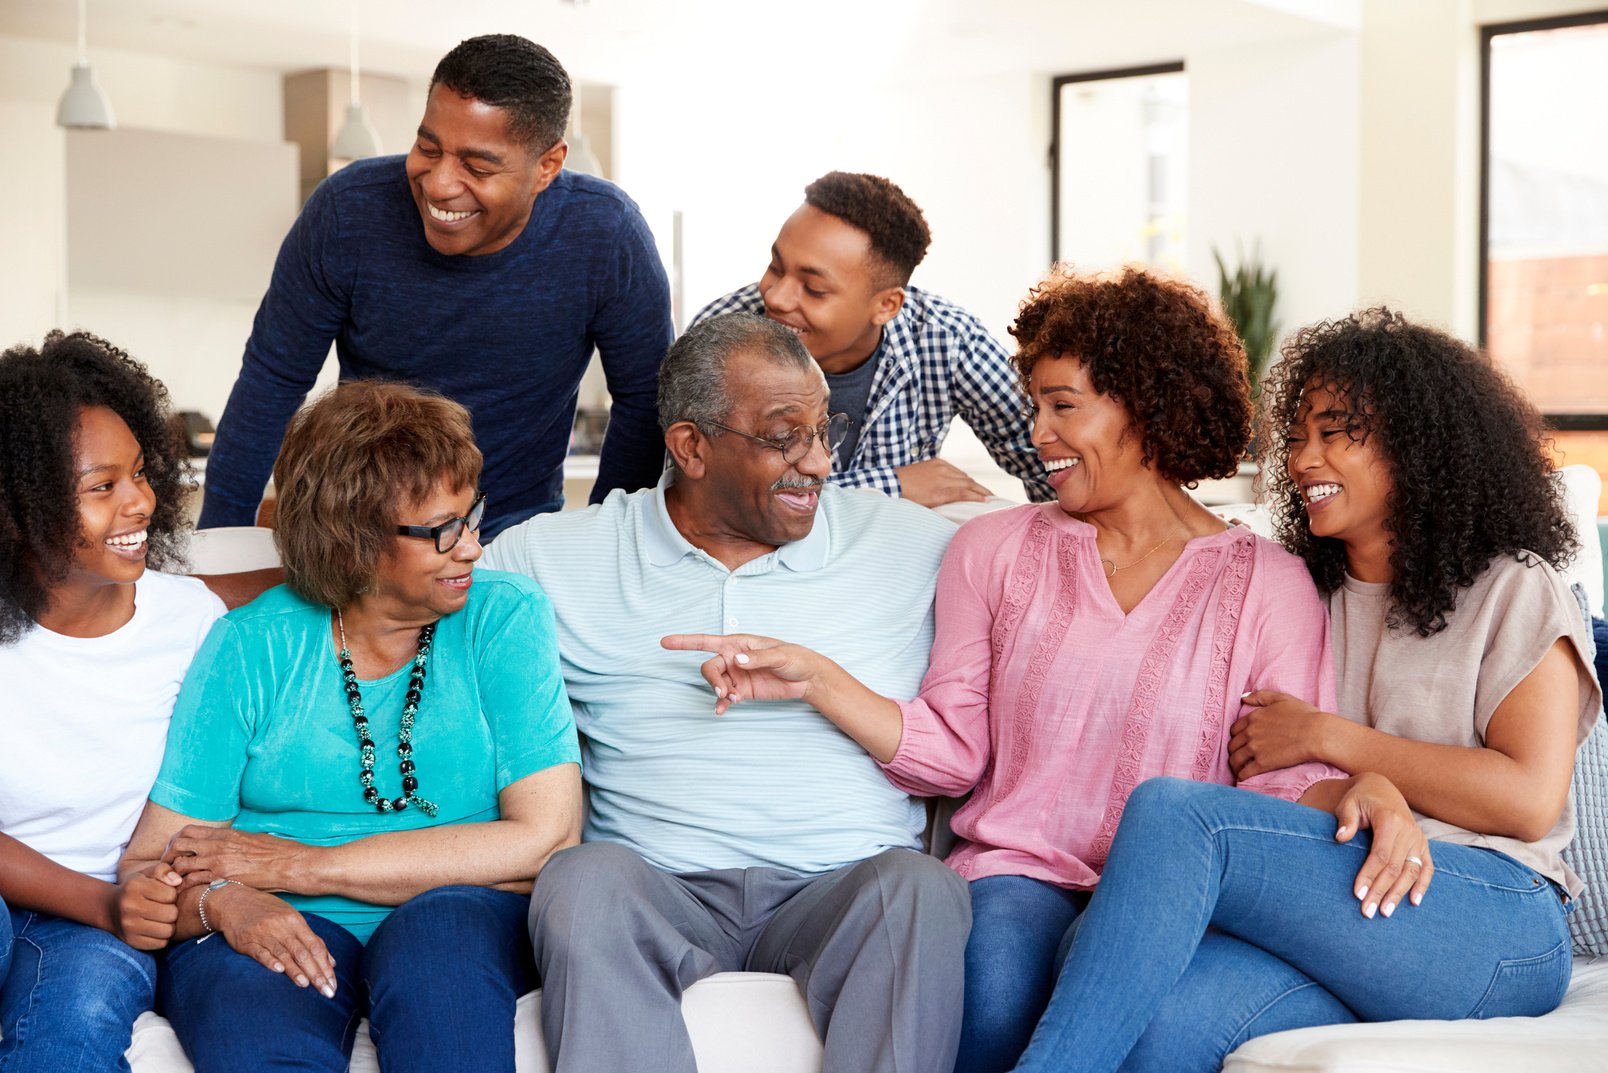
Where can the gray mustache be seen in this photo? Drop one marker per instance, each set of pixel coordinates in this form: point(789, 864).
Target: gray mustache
point(790, 485)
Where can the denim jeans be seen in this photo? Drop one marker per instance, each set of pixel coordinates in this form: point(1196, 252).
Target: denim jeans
point(70, 995)
point(1224, 914)
point(438, 981)
point(1017, 925)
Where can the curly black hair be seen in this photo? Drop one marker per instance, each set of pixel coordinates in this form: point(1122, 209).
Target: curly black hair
point(41, 395)
point(897, 229)
point(1470, 473)
point(1157, 346)
point(517, 75)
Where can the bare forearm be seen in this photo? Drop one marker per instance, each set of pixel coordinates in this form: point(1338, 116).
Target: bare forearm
point(389, 869)
point(30, 880)
point(863, 714)
point(1478, 789)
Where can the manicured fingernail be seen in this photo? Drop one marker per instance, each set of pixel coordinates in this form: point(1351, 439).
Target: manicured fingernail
point(732, 697)
point(1362, 892)
point(1370, 909)
point(1246, 694)
point(328, 991)
point(1417, 899)
point(742, 657)
point(302, 981)
point(1342, 829)
point(1388, 908)
point(278, 967)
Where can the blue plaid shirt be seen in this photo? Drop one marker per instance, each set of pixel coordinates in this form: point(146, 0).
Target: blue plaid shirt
point(936, 362)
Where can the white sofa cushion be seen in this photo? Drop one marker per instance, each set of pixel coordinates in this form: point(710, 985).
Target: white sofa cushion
point(739, 1022)
point(750, 1022)
point(1571, 1039)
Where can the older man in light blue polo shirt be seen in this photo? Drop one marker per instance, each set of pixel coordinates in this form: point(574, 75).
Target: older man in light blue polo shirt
point(765, 839)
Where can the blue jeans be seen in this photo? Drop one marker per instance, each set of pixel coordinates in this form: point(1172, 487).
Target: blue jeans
point(1017, 925)
point(70, 995)
point(1147, 985)
point(438, 981)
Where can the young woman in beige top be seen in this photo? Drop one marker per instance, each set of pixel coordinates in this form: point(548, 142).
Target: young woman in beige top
point(1414, 483)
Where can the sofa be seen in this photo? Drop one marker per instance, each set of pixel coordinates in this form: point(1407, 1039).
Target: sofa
point(743, 1022)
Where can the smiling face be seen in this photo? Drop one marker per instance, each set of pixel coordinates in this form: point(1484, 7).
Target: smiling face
point(1344, 477)
point(756, 496)
point(114, 501)
point(473, 183)
point(820, 282)
point(414, 579)
point(1087, 441)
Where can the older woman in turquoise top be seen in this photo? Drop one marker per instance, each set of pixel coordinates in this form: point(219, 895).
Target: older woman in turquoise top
point(367, 766)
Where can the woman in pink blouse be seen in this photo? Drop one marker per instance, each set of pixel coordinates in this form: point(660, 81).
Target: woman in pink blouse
point(1083, 645)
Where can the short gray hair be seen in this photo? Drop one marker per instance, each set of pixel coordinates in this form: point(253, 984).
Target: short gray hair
point(692, 380)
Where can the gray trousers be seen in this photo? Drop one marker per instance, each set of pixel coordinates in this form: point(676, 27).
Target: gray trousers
point(877, 949)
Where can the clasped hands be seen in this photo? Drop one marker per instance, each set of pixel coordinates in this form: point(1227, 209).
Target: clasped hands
point(251, 920)
point(267, 862)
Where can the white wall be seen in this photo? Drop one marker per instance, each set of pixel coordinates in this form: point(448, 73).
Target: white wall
point(192, 345)
point(1273, 146)
point(971, 151)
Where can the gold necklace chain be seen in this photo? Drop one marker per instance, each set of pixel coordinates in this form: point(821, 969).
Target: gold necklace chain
point(1111, 568)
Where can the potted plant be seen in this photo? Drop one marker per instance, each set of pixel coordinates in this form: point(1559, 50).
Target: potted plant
point(1249, 295)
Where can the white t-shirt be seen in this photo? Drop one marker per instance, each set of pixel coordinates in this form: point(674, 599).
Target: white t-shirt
point(83, 721)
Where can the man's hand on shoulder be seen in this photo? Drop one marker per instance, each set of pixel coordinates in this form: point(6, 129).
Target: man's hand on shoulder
point(935, 482)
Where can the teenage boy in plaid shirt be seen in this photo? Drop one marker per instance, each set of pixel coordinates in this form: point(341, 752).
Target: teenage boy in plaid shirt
point(900, 361)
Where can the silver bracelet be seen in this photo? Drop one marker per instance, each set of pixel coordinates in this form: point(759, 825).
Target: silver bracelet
point(201, 904)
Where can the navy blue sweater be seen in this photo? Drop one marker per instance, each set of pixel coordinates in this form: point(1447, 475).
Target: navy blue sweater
point(507, 334)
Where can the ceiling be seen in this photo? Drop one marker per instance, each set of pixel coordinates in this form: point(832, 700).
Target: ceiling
point(614, 40)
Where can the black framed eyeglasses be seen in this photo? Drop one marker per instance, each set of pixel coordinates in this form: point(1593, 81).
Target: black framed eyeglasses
point(795, 444)
point(448, 533)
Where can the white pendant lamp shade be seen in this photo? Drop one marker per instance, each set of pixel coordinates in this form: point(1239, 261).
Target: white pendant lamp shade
point(84, 105)
point(357, 138)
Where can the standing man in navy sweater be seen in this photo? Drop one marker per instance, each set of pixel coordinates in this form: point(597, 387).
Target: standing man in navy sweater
point(475, 266)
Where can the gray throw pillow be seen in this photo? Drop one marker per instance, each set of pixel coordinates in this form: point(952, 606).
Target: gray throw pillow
point(1588, 853)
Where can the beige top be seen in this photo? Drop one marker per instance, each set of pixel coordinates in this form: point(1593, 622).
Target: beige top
point(1445, 688)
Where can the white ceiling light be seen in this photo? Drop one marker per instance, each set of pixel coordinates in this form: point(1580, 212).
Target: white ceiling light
point(357, 138)
point(84, 105)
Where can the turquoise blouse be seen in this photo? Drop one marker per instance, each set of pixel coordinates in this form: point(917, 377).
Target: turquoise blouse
point(262, 731)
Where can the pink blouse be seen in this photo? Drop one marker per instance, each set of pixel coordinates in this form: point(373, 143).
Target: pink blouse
point(1054, 705)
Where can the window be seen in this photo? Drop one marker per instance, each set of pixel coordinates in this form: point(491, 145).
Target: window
point(1119, 167)
point(1544, 212)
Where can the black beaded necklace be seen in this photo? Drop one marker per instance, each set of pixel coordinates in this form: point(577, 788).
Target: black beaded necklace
point(404, 745)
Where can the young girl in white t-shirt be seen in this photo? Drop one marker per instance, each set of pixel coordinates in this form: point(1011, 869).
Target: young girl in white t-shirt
point(93, 647)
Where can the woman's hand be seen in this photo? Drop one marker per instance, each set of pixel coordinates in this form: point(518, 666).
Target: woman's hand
point(748, 667)
point(144, 907)
point(1399, 862)
point(266, 862)
point(267, 929)
point(1281, 731)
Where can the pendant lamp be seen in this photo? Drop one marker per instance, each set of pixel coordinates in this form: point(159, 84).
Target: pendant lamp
point(357, 138)
point(84, 106)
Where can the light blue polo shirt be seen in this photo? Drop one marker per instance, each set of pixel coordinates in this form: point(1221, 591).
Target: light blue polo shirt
point(769, 783)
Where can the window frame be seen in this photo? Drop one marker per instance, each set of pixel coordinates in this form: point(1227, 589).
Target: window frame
point(1110, 74)
point(1575, 422)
